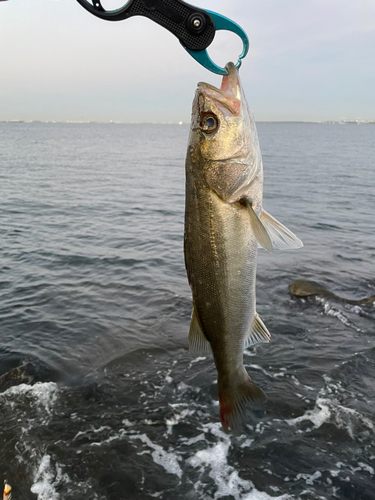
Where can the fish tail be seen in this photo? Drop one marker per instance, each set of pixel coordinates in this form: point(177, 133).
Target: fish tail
point(235, 394)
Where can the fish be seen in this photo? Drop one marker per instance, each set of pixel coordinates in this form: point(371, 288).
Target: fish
point(7, 492)
point(301, 289)
point(224, 224)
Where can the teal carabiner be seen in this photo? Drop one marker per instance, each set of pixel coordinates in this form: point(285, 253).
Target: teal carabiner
point(221, 23)
point(194, 27)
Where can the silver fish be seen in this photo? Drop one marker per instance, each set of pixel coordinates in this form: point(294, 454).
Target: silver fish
point(224, 223)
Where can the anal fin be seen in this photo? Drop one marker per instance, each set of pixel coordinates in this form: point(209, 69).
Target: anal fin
point(281, 237)
point(257, 332)
point(198, 343)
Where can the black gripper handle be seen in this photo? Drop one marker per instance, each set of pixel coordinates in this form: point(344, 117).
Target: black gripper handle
point(194, 27)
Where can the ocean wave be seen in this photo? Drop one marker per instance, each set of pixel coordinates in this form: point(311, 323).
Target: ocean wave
point(331, 310)
point(42, 394)
point(48, 479)
point(331, 410)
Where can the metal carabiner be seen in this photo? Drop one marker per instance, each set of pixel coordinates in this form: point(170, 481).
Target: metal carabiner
point(221, 23)
point(194, 27)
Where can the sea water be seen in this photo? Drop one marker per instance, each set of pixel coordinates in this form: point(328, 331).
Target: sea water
point(99, 396)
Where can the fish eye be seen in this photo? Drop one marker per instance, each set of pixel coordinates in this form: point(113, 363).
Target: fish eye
point(209, 123)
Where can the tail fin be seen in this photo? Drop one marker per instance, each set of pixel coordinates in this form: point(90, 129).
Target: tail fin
point(235, 394)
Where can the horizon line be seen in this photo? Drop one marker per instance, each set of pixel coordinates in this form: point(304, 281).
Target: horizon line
point(114, 122)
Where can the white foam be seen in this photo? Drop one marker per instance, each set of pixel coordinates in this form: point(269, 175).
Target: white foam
point(329, 410)
point(168, 379)
point(355, 309)
point(177, 417)
point(121, 434)
point(182, 387)
point(334, 473)
point(47, 479)
point(92, 430)
point(43, 393)
point(199, 358)
point(225, 476)
point(247, 443)
point(161, 457)
point(365, 467)
point(261, 369)
point(127, 422)
point(193, 440)
point(261, 495)
point(196, 360)
point(318, 415)
point(40, 390)
point(309, 478)
point(336, 313)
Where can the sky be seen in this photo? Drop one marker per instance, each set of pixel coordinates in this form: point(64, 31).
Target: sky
point(310, 60)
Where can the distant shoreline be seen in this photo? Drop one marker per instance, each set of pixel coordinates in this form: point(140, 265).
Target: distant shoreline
point(76, 122)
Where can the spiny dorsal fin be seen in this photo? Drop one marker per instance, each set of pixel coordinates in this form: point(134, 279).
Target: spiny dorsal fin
point(281, 237)
point(258, 230)
point(198, 344)
point(257, 332)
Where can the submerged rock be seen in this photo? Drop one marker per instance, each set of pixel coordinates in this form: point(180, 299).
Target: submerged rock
point(301, 289)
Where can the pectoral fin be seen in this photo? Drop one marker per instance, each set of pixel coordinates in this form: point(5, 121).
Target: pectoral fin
point(257, 332)
point(198, 344)
point(281, 237)
point(258, 229)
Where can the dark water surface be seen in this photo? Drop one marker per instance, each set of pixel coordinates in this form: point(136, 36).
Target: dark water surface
point(99, 397)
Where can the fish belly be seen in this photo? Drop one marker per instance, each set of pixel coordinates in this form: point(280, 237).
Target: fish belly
point(220, 258)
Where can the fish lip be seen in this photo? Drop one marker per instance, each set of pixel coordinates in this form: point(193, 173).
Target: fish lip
point(211, 87)
point(229, 95)
point(225, 99)
point(230, 84)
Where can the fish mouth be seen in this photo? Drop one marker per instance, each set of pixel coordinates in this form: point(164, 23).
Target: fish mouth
point(229, 94)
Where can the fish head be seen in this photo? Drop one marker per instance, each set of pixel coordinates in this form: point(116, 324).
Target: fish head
point(223, 139)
